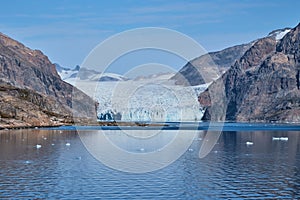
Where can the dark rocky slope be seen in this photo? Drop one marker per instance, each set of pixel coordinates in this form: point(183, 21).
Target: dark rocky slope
point(32, 93)
point(223, 60)
point(27, 108)
point(264, 84)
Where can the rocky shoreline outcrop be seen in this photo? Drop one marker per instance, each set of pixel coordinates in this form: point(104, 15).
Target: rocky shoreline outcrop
point(27, 108)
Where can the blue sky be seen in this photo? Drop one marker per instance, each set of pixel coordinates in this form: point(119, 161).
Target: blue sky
point(67, 30)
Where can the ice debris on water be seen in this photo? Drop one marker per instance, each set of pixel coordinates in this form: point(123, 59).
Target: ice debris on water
point(280, 138)
point(78, 158)
point(249, 143)
point(142, 149)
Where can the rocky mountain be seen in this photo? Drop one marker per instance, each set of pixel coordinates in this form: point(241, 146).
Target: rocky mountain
point(32, 92)
point(69, 75)
point(189, 75)
point(264, 84)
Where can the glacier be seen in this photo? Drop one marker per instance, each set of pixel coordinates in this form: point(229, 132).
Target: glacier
point(155, 99)
point(148, 101)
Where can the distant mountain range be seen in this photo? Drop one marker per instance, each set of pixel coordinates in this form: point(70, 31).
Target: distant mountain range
point(263, 85)
point(69, 75)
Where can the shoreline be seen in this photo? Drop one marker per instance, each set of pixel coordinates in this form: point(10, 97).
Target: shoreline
point(202, 125)
point(100, 123)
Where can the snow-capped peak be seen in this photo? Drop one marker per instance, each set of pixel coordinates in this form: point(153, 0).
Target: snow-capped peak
point(108, 77)
point(69, 75)
point(280, 33)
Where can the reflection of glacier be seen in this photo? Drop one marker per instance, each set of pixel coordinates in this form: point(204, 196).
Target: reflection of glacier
point(147, 101)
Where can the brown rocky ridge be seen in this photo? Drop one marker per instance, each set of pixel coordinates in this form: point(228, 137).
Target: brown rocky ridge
point(191, 73)
point(33, 94)
point(263, 85)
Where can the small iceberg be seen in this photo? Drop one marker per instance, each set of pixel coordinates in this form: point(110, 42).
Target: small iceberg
point(198, 139)
point(38, 146)
point(249, 143)
point(142, 149)
point(78, 158)
point(280, 138)
point(284, 138)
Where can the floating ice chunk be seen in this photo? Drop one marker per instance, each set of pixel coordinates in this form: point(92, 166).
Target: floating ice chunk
point(284, 138)
point(249, 143)
point(280, 138)
point(38, 146)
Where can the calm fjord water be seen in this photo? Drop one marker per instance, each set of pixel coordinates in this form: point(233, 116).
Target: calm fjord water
point(267, 169)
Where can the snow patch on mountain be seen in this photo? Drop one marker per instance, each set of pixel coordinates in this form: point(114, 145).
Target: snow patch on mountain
point(280, 33)
point(67, 74)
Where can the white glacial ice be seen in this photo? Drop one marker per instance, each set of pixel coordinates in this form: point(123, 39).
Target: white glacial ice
point(147, 100)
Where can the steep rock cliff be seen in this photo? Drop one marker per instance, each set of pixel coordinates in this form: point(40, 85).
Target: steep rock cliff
point(264, 84)
point(32, 92)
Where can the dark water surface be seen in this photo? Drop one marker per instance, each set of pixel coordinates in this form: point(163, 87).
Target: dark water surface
point(265, 170)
